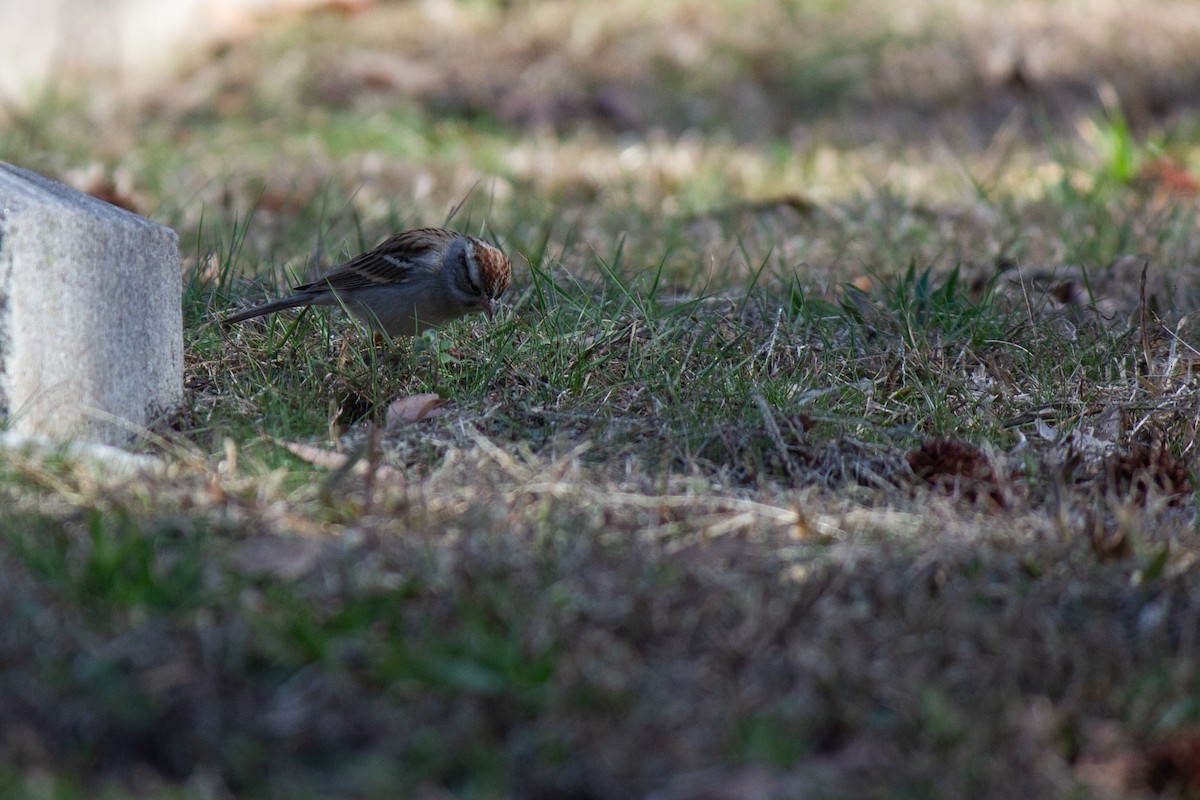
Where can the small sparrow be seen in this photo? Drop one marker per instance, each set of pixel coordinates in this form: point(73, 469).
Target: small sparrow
point(415, 280)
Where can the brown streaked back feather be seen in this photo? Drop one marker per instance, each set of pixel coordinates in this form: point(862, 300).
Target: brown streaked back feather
point(388, 264)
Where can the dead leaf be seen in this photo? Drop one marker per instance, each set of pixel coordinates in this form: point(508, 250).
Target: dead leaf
point(1170, 177)
point(863, 283)
point(1140, 470)
point(1174, 764)
point(951, 467)
point(106, 189)
point(414, 408)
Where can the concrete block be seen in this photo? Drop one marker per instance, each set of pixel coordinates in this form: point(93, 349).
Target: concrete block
point(91, 325)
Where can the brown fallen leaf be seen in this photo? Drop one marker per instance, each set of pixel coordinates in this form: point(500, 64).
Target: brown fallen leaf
point(105, 188)
point(863, 283)
point(950, 466)
point(1140, 470)
point(413, 408)
point(1169, 177)
point(1174, 764)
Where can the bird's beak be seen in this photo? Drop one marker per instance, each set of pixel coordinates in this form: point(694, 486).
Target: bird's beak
point(486, 305)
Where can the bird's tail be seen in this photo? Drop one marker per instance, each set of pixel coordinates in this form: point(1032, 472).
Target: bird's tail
point(268, 308)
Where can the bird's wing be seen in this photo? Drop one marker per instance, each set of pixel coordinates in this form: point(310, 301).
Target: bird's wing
point(389, 264)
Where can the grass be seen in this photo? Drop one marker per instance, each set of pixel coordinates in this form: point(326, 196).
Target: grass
point(837, 449)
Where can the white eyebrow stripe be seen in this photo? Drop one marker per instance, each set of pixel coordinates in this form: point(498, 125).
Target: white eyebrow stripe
point(472, 265)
